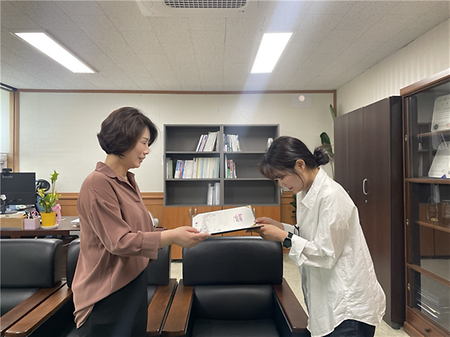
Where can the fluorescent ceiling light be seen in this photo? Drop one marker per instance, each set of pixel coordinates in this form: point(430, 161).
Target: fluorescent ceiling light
point(49, 47)
point(272, 45)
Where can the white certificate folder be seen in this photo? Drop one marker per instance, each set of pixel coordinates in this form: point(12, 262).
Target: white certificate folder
point(224, 221)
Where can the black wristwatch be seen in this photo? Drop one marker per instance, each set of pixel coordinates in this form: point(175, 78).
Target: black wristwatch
point(288, 241)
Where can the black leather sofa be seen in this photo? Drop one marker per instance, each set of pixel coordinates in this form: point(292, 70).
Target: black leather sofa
point(31, 271)
point(234, 286)
point(54, 317)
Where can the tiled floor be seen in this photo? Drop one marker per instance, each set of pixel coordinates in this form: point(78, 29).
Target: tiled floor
point(292, 276)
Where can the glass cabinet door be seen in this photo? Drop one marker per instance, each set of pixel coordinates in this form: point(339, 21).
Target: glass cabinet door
point(427, 203)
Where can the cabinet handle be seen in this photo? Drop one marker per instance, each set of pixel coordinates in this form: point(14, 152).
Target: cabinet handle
point(195, 211)
point(427, 330)
point(190, 213)
point(364, 186)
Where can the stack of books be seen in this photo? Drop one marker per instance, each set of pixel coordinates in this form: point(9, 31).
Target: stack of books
point(230, 168)
point(231, 143)
point(195, 168)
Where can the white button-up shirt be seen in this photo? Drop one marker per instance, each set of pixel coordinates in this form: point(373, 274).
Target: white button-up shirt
point(338, 277)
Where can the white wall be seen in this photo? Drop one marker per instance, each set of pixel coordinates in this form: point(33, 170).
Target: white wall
point(58, 130)
point(4, 119)
point(422, 58)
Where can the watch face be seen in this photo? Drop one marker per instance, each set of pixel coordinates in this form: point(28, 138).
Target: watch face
point(287, 242)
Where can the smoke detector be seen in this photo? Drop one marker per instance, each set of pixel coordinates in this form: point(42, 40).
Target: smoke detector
point(202, 8)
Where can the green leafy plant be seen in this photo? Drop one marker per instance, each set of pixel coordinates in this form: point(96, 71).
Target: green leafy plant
point(48, 200)
point(326, 142)
point(294, 204)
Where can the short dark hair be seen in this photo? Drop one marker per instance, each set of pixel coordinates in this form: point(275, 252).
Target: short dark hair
point(121, 130)
point(284, 153)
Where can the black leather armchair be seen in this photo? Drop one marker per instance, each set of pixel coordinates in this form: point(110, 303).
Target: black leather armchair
point(234, 286)
point(57, 311)
point(31, 271)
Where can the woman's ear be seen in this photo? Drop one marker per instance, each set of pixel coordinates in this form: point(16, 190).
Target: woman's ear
point(300, 164)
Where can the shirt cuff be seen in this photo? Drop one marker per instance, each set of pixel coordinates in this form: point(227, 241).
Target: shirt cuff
point(288, 228)
point(150, 244)
point(296, 251)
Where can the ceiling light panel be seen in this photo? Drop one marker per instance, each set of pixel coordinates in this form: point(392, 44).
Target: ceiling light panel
point(270, 50)
point(52, 49)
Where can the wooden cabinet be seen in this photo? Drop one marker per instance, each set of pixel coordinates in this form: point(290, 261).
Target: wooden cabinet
point(426, 127)
point(184, 197)
point(368, 164)
point(181, 216)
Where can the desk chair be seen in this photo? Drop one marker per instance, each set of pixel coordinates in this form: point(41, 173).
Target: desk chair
point(31, 271)
point(234, 286)
point(56, 313)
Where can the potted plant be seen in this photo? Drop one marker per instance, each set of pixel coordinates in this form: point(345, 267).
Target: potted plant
point(48, 203)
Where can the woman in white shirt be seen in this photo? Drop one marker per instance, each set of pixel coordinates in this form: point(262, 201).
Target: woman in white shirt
point(341, 291)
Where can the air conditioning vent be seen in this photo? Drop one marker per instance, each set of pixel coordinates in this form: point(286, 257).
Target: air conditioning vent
point(204, 8)
point(210, 4)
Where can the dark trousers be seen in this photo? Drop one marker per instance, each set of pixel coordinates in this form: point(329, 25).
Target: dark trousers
point(352, 328)
point(121, 314)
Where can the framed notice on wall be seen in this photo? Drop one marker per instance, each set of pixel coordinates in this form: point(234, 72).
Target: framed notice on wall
point(441, 114)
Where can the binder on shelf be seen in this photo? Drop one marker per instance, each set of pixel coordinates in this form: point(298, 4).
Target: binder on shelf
point(210, 195)
point(169, 168)
point(216, 194)
point(225, 221)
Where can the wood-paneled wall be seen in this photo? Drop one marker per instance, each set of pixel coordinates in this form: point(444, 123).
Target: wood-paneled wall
point(287, 215)
point(154, 201)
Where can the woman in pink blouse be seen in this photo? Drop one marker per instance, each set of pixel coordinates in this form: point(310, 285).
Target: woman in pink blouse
point(117, 238)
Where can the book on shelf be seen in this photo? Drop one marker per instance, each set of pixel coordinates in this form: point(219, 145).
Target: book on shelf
point(213, 195)
point(231, 143)
point(207, 142)
point(230, 168)
point(441, 114)
point(225, 221)
point(197, 168)
point(177, 169)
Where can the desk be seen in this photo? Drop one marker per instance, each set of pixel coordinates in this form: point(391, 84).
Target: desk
point(64, 228)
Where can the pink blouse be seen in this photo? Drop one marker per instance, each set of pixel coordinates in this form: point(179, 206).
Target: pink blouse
point(117, 238)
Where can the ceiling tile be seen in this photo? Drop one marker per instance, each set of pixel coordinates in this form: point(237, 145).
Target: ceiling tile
point(208, 42)
point(331, 42)
point(99, 28)
point(171, 30)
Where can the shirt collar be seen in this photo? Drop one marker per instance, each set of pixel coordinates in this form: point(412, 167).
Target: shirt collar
point(310, 197)
point(106, 170)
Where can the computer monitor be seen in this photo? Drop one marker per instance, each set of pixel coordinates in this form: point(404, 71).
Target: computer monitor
point(17, 188)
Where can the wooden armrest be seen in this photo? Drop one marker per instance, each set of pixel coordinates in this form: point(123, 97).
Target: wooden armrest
point(294, 312)
point(159, 306)
point(38, 315)
point(24, 307)
point(178, 316)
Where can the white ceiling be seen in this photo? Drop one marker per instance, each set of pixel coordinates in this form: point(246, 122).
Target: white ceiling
point(145, 45)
